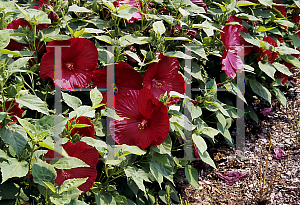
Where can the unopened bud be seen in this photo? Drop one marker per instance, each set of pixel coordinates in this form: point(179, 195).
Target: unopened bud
point(53, 16)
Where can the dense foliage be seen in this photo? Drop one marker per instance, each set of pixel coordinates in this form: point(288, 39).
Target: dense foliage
point(66, 140)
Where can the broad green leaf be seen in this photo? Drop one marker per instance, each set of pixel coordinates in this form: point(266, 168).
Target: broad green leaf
point(33, 102)
point(245, 3)
point(285, 23)
point(106, 39)
point(264, 29)
point(3, 155)
point(225, 132)
point(249, 69)
point(286, 50)
point(260, 90)
point(76, 8)
point(295, 40)
point(280, 96)
point(135, 57)
point(165, 147)
point(191, 175)
point(221, 118)
point(68, 163)
point(65, 197)
point(183, 122)
point(50, 186)
point(177, 54)
point(83, 110)
point(25, 13)
point(267, 68)
point(4, 39)
point(78, 33)
point(197, 49)
point(293, 60)
point(159, 27)
point(8, 190)
point(70, 184)
point(156, 171)
point(266, 2)
point(43, 172)
point(30, 129)
point(207, 159)
point(100, 145)
point(105, 199)
point(14, 137)
point(13, 168)
point(109, 5)
point(16, 65)
point(200, 142)
point(132, 149)
point(2, 116)
point(172, 191)
point(59, 37)
point(112, 114)
point(96, 97)
point(250, 39)
point(209, 131)
point(49, 144)
point(282, 68)
point(138, 176)
point(71, 101)
point(50, 124)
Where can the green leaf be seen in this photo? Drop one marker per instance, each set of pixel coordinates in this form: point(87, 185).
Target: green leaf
point(14, 137)
point(13, 168)
point(100, 145)
point(293, 60)
point(260, 90)
point(96, 97)
point(109, 5)
point(135, 57)
point(3, 155)
point(165, 147)
point(286, 50)
point(50, 186)
point(285, 23)
point(191, 175)
point(280, 96)
point(25, 13)
point(221, 118)
point(250, 39)
point(225, 132)
point(138, 176)
point(68, 163)
point(105, 199)
point(8, 190)
point(78, 33)
point(70, 184)
point(200, 142)
point(267, 68)
point(33, 102)
point(159, 27)
point(43, 172)
point(266, 2)
point(76, 8)
point(209, 131)
point(245, 3)
point(207, 159)
point(106, 39)
point(183, 122)
point(83, 110)
point(4, 39)
point(49, 144)
point(295, 40)
point(197, 49)
point(71, 101)
point(47, 124)
point(2, 116)
point(282, 68)
point(172, 191)
point(16, 65)
point(30, 129)
point(112, 114)
point(264, 29)
point(132, 149)
point(65, 197)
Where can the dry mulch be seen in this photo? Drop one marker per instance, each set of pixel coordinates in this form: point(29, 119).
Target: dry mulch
point(213, 190)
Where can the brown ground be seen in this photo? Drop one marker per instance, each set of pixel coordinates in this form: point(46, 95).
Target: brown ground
point(213, 190)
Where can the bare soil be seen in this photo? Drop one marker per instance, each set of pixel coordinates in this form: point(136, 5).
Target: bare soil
point(286, 191)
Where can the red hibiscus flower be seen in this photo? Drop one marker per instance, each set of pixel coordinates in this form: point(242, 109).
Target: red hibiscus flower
point(126, 78)
point(82, 151)
point(147, 119)
point(84, 131)
point(271, 56)
point(13, 110)
point(235, 46)
point(163, 77)
point(134, 3)
point(296, 15)
point(79, 60)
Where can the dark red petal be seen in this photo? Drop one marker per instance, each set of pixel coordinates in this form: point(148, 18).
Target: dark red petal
point(126, 78)
point(18, 22)
point(82, 151)
point(231, 63)
point(127, 105)
point(146, 102)
point(99, 78)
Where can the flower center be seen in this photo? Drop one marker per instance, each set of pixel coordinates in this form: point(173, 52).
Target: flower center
point(156, 84)
point(70, 66)
point(65, 174)
point(116, 88)
point(142, 125)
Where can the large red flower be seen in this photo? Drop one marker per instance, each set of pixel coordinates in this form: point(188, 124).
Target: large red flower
point(79, 61)
point(235, 46)
point(81, 151)
point(13, 110)
point(271, 56)
point(146, 122)
point(163, 77)
point(126, 78)
point(84, 131)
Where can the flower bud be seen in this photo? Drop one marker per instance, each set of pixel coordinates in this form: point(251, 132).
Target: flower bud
point(53, 16)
